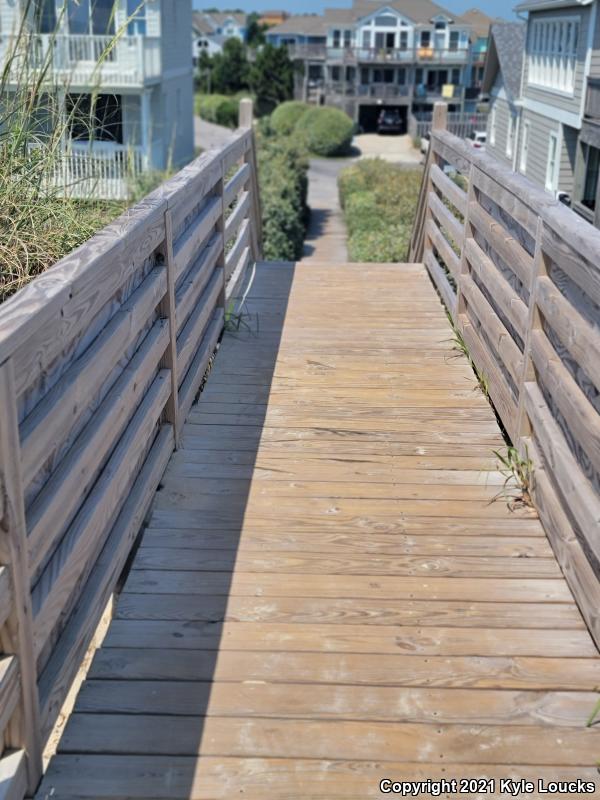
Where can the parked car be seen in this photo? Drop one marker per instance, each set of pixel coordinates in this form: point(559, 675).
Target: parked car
point(477, 139)
point(390, 121)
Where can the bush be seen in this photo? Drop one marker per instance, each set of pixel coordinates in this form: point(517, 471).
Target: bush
point(218, 108)
point(379, 201)
point(285, 117)
point(283, 168)
point(326, 131)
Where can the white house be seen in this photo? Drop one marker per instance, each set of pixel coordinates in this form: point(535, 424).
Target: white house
point(130, 55)
point(211, 30)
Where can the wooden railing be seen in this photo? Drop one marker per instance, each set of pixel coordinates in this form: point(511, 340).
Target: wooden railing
point(100, 361)
point(520, 275)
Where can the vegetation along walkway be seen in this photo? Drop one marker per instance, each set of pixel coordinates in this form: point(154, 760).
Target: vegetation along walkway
point(325, 596)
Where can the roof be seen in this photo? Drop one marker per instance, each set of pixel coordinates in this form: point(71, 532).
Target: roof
point(201, 24)
point(222, 16)
point(479, 22)
point(420, 12)
point(543, 5)
point(505, 55)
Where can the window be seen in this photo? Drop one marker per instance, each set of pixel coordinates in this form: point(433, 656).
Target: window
point(510, 136)
point(335, 73)
point(403, 40)
point(388, 75)
point(454, 40)
point(425, 38)
point(364, 76)
point(455, 76)
point(45, 16)
point(347, 39)
point(493, 126)
point(524, 149)
point(94, 17)
point(553, 46)
point(386, 21)
point(337, 38)
point(591, 157)
point(366, 39)
point(552, 165)
point(136, 13)
point(440, 26)
point(419, 76)
point(401, 76)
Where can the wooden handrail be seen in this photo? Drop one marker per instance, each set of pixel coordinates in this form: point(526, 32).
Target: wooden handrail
point(101, 358)
point(525, 301)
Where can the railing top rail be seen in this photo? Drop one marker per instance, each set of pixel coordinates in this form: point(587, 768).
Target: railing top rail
point(570, 226)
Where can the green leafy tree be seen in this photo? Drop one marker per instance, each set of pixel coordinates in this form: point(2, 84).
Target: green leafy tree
point(271, 78)
point(255, 30)
point(230, 68)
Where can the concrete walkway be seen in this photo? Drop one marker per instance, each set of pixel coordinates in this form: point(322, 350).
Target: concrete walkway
point(326, 237)
point(209, 136)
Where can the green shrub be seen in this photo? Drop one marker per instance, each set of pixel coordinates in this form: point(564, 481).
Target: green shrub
point(218, 108)
point(325, 131)
point(286, 116)
point(379, 201)
point(283, 168)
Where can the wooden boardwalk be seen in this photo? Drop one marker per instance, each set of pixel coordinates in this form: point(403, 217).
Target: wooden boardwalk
point(325, 596)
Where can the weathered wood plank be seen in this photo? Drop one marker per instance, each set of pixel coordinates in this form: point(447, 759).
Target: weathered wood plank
point(449, 189)
point(218, 778)
point(55, 506)
point(58, 586)
point(50, 423)
point(55, 680)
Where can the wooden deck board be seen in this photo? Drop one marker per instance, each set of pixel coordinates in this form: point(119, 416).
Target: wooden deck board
point(327, 593)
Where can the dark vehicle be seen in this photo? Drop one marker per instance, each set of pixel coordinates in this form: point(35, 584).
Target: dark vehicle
point(390, 121)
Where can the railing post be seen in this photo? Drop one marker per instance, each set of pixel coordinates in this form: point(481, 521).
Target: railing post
point(467, 233)
point(24, 729)
point(246, 117)
point(439, 122)
point(168, 311)
point(523, 426)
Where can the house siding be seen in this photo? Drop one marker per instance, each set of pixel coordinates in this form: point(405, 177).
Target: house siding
point(540, 129)
point(176, 26)
point(556, 99)
point(503, 111)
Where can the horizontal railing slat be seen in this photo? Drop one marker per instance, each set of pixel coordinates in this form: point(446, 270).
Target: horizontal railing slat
point(236, 183)
point(45, 430)
point(188, 246)
point(450, 190)
point(57, 503)
point(505, 245)
point(190, 290)
point(192, 332)
point(498, 287)
point(446, 219)
point(441, 244)
point(6, 598)
point(582, 418)
point(192, 381)
point(507, 350)
point(239, 213)
point(66, 657)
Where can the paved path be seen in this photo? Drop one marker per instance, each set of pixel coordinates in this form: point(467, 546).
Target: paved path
point(324, 596)
point(208, 136)
point(326, 237)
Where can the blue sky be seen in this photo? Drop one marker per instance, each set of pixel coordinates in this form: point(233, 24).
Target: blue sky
point(495, 8)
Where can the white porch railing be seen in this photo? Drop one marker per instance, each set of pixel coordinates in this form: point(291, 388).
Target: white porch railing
point(89, 61)
point(97, 171)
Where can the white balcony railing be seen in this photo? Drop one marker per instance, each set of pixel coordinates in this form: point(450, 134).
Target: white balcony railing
point(87, 61)
point(99, 170)
point(380, 55)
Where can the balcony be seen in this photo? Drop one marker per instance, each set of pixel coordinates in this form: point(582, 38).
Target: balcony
point(380, 55)
point(86, 61)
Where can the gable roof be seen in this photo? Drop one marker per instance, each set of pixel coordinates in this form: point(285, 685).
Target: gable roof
point(505, 55)
point(479, 22)
point(302, 24)
point(221, 17)
point(201, 24)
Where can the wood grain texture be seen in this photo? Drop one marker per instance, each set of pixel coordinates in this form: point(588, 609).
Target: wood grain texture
point(324, 578)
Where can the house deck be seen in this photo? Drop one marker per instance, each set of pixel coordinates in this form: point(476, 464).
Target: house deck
point(326, 595)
